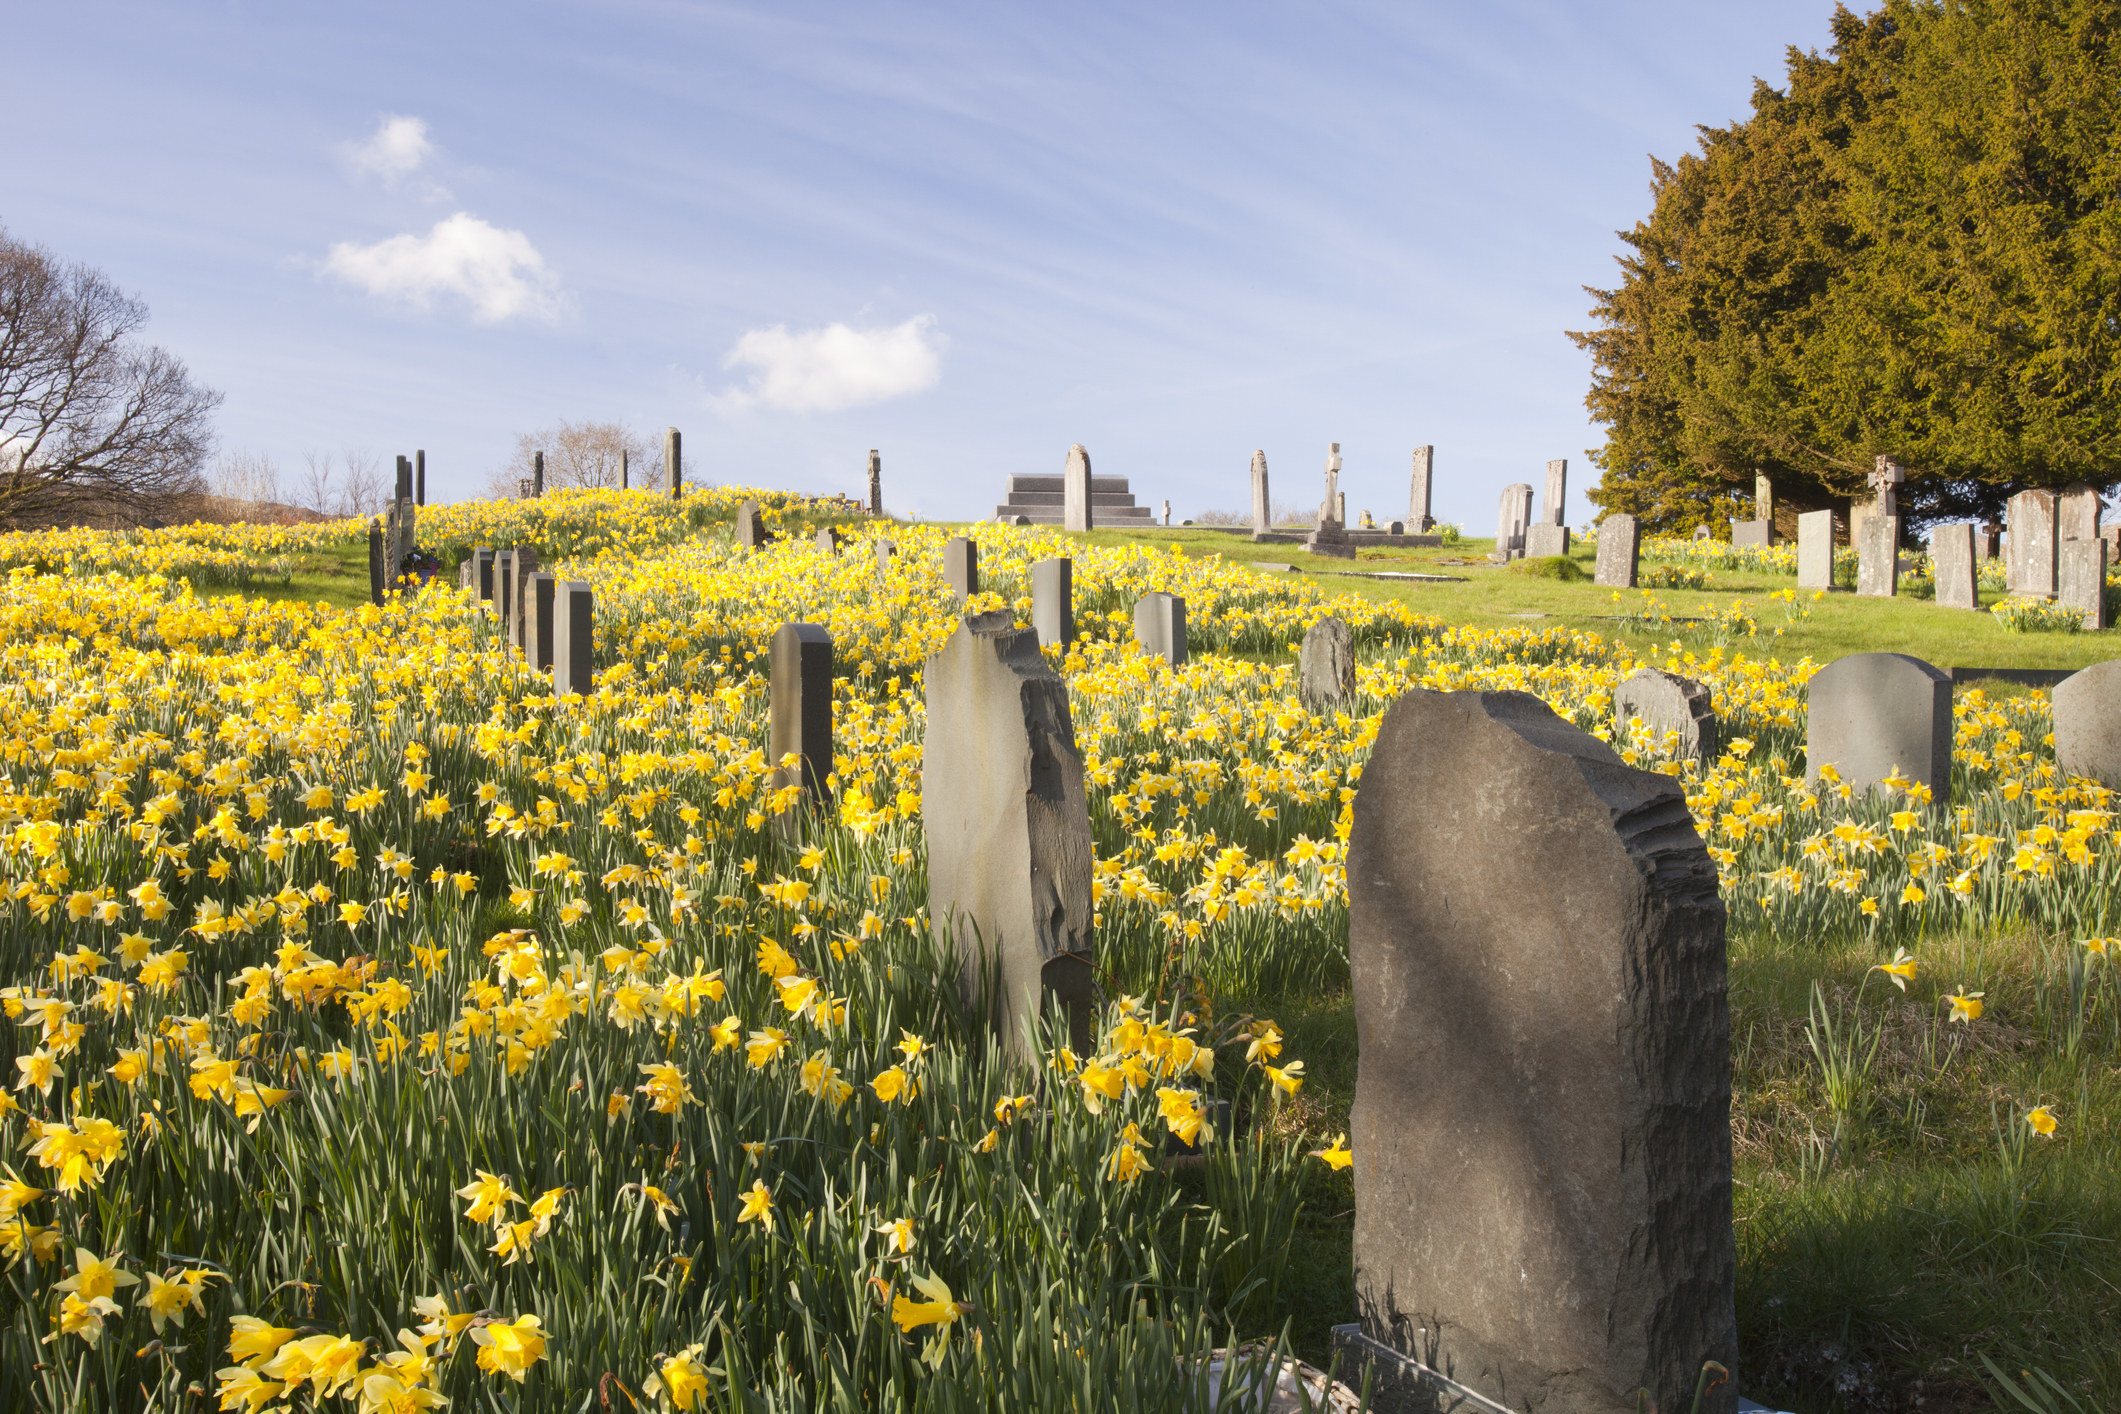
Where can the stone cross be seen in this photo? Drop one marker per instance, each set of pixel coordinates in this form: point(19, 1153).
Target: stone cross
point(1541, 1125)
point(1985, 540)
point(1873, 713)
point(1815, 550)
point(1952, 561)
point(537, 473)
point(1160, 627)
point(961, 566)
point(419, 478)
point(1557, 491)
point(2080, 580)
point(1008, 830)
point(1885, 480)
point(375, 562)
point(1619, 551)
point(1053, 602)
point(1262, 507)
point(1325, 669)
point(1077, 515)
point(800, 708)
point(1419, 489)
point(538, 599)
point(876, 483)
point(673, 462)
point(2032, 543)
point(1167, 513)
point(573, 635)
point(1669, 705)
point(2087, 709)
point(1878, 556)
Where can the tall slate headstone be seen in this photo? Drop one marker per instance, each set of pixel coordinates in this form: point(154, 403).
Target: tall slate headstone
point(1557, 492)
point(376, 580)
point(419, 477)
point(2080, 580)
point(1878, 556)
point(537, 473)
point(800, 705)
point(1008, 828)
point(625, 470)
point(525, 565)
point(1873, 713)
point(2032, 543)
point(483, 557)
point(2087, 707)
point(1325, 668)
point(1815, 550)
point(1160, 627)
point(1053, 602)
point(673, 462)
point(1262, 507)
point(1541, 1125)
point(1669, 706)
point(1076, 513)
point(1619, 551)
point(573, 638)
point(1952, 561)
point(1419, 489)
point(961, 566)
point(538, 599)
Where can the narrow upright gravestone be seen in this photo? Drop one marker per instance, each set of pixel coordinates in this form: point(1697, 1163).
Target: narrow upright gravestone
point(1075, 491)
point(537, 474)
point(1160, 627)
point(1815, 550)
point(674, 462)
point(375, 562)
point(750, 527)
point(1262, 507)
point(526, 565)
point(625, 470)
point(1419, 488)
point(1668, 704)
point(876, 483)
point(419, 478)
point(2088, 723)
point(961, 566)
point(1878, 556)
point(538, 593)
point(573, 628)
point(1541, 1125)
point(1008, 827)
point(1871, 714)
point(800, 706)
point(483, 577)
point(1952, 561)
point(2032, 543)
point(1619, 551)
point(1557, 492)
point(1325, 669)
point(2080, 579)
point(1053, 602)
point(885, 550)
point(2077, 513)
point(1513, 519)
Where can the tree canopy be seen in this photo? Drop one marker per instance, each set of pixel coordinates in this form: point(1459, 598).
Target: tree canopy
point(1912, 249)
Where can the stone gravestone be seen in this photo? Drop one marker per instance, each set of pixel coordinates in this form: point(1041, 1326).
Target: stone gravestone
point(2088, 723)
point(467, 570)
point(1668, 704)
point(1885, 480)
point(375, 562)
point(526, 565)
point(1619, 551)
point(2077, 513)
point(419, 478)
point(2032, 544)
point(482, 574)
point(625, 471)
point(1952, 561)
point(828, 540)
point(1076, 514)
point(1752, 532)
point(673, 462)
point(885, 552)
point(1874, 713)
point(1763, 500)
point(1329, 531)
point(1514, 519)
point(961, 566)
point(1878, 556)
point(538, 592)
point(537, 473)
point(750, 526)
point(1541, 1124)
point(2080, 580)
point(1160, 627)
point(1815, 550)
point(502, 589)
point(1543, 540)
point(1325, 670)
point(1262, 507)
point(1419, 491)
point(800, 704)
point(1557, 492)
point(876, 483)
point(573, 630)
point(1053, 602)
point(1987, 540)
point(1008, 828)
point(1167, 513)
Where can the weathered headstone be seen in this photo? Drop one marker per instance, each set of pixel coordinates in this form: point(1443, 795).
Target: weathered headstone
point(2077, 513)
point(750, 526)
point(885, 552)
point(482, 574)
point(1330, 508)
point(828, 539)
point(526, 565)
point(2087, 708)
point(1619, 551)
point(573, 637)
point(800, 708)
point(1329, 529)
point(1668, 705)
point(1815, 550)
point(537, 473)
point(625, 471)
point(538, 591)
point(1053, 602)
point(1701, 532)
point(504, 589)
point(2031, 567)
point(1262, 507)
point(1557, 492)
point(1008, 828)
point(1076, 514)
point(376, 580)
point(419, 477)
point(1419, 490)
point(1763, 499)
point(961, 566)
point(1878, 556)
point(1752, 532)
point(1543, 539)
point(467, 571)
point(876, 482)
point(1340, 508)
point(1541, 1125)
point(1873, 713)
point(1325, 669)
point(1952, 562)
point(673, 462)
point(2080, 580)
point(1512, 521)
point(1160, 627)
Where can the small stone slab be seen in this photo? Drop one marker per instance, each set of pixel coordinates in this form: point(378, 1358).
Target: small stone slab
point(1878, 552)
point(828, 539)
point(1053, 602)
point(1619, 551)
point(1752, 532)
point(1815, 550)
point(2087, 708)
point(961, 566)
point(1952, 561)
point(2080, 579)
point(799, 696)
point(1325, 668)
point(1160, 627)
point(1544, 541)
point(1871, 714)
point(1669, 705)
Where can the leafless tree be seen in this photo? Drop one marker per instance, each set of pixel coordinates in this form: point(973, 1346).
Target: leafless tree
point(576, 454)
point(250, 478)
point(363, 490)
point(93, 423)
point(313, 488)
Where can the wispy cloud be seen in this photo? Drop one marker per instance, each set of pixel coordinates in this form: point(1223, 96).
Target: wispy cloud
point(395, 150)
point(498, 274)
point(825, 370)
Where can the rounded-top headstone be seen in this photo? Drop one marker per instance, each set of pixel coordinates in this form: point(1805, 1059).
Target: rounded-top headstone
point(1871, 714)
point(2088, 723)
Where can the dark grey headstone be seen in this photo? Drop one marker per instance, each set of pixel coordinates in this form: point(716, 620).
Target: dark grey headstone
point(876, 483)
point(1878, 556)
point(1076, 514)
point(483, 555)
point(419, 478)
point(2080, 579)
point(2088, 723)
point(1541, 1123)
point(403, 490)
point(1952, 562)
point(523, 567)
point(504, 588)
point(1325, 668)
point(800, 700)
point(1872, 713)
point(1008, 827)
point(625, 470)
point(1667, 703)
point(673, 462)
point(1053, 602)
point(961, 566)
point(1815, 550)
point(376, 577)
point(538, 591)
point(537, 473)
point(573, 637)
point(1160, 627)
point(1619, 551)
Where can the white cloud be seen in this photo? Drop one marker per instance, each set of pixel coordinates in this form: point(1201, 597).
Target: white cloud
point(498, 273)
point(396, 149)
point(824, 370)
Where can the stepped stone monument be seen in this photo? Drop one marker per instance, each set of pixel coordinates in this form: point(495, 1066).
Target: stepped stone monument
point(1042, 500)
point(1952, 559)
point(1325, 671)
point(1668, 705)
point(1619, 551)
point(1873, 713)
point(1541, 1126)
point(2088, 723)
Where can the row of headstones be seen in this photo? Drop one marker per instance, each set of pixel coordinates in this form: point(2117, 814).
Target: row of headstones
point(549, 620)
point(392, 535)
point(1518, 536)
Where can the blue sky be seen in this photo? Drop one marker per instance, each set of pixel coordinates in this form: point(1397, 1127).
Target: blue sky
point(967, 235)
